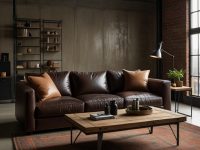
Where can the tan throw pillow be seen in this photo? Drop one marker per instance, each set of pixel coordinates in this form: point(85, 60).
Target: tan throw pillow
point(44, 86)
point(136, 80)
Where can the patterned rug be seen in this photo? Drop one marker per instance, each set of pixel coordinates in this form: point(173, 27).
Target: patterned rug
point(138, 139)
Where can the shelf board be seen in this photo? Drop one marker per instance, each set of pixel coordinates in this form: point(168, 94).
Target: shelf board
point(27, 60)
point(27, 68)
point(53, 51)
point(52, 35)
point(28, 19)
point(51, 43)
point(28, 27)
point(28, 37)
point(52, 59)
point(27, 46)
point(52, 28)
point(21, 54)
point(46, 67)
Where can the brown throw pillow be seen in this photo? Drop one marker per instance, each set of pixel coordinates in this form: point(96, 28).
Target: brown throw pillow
point(44, 86)
point(136, 80)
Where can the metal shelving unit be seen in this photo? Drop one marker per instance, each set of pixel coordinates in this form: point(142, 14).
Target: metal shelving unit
point(37, 42)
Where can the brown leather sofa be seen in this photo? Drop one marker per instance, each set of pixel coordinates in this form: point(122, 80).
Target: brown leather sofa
point(83, 92)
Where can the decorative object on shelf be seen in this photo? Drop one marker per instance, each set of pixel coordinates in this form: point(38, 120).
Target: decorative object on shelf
point(113, 107)
point(22, 32)
point(27, 24)
point(24, 64)
point(50, 63)
point(29, 50)
point(3, 74)
point(29, 34)
point(143, 110)
point(107, 109)
point(176, 76)
point(4, 57)
point(37, 66)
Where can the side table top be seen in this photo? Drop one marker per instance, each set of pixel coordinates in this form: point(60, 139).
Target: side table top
point(183, 88)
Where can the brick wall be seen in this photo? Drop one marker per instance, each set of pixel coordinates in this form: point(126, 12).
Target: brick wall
point(175, 34)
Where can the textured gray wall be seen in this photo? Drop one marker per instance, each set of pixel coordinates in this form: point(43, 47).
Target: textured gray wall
point(97, 34)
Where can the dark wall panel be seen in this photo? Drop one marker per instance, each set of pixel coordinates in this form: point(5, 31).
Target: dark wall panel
point(97, 34)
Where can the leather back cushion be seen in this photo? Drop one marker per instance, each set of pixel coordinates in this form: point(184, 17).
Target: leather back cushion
point(62, 82)
point(88, 83)
point(44, 86)
point(136, 80)
point(115, 81)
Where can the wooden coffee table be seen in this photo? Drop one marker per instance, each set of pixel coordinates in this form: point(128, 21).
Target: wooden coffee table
point(122, 121)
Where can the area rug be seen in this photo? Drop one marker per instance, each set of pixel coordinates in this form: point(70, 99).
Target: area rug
point(137, 139)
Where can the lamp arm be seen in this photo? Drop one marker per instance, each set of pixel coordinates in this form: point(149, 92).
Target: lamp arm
point(169, 55)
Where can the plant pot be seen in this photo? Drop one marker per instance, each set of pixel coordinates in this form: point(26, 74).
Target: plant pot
point(173, 84)
point(179, 83)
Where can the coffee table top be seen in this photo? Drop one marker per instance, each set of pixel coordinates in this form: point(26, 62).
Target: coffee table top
point(122, 121)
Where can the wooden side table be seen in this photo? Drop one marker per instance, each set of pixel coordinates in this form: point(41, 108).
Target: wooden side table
point(177, 91)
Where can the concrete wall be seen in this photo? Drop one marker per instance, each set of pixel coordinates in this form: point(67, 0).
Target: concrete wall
point(97, 34)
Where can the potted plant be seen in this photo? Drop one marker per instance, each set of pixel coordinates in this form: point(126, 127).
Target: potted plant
point(176, 76)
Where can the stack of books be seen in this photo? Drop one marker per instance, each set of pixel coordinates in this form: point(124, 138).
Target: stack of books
point(100, 117)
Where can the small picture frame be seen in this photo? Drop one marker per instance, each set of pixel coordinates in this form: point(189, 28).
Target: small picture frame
point(4, 57)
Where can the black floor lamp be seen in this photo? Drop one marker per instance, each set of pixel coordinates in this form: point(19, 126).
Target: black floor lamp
point(158, 53)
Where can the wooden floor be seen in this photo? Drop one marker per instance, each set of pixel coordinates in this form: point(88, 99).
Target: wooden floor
point(9, 126)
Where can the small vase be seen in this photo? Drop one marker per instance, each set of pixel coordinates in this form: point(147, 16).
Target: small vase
point(113, 107)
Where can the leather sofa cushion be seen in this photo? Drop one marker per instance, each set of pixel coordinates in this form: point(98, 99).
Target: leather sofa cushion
point(88, 83)
point(62, 82)
point(136, 80)
point(44, 86)
point(115, 81)
point(58, 107)
point(145, 98)
point(96, 102)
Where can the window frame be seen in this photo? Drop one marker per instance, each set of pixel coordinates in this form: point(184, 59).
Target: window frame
point(193, 31)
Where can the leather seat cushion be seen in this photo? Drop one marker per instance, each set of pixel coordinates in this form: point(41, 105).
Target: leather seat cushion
point(58, 107)
point(145, 98)
point(96, 102)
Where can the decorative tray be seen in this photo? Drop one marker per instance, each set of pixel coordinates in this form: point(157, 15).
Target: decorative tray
point(143, 110)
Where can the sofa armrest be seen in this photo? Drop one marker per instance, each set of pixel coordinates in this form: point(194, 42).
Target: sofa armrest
point(25, 105)
point(162, 88)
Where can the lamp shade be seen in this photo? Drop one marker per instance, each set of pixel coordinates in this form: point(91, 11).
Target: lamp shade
point(157, 53)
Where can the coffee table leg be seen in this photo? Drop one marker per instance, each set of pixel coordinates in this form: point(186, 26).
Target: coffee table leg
point(177, 139)
point(177, 133)
point(151, 130)
point(71, 135)
point(99, 138)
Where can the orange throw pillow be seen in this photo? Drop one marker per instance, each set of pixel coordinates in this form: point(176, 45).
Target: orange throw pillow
point(136, 80)
point(44, 86)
